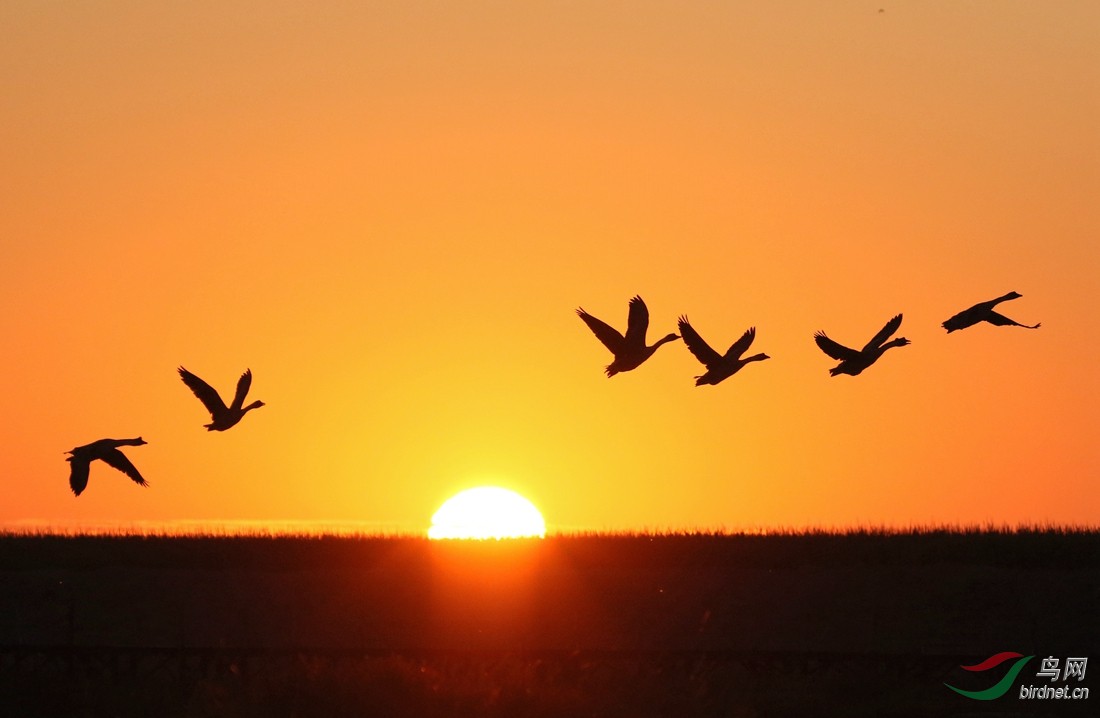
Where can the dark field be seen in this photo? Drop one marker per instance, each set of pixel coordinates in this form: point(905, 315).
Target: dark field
point(677, 625)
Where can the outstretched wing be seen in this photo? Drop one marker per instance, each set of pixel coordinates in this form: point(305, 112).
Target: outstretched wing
point(833, 349)
point(1002, 321)
point(78, 475)
point(242, 388)
point(118, 460)
point(741, 345)
point(205, 393)
point(605, 333)
point(695, 344)
point(891, 326)
point(637, 322)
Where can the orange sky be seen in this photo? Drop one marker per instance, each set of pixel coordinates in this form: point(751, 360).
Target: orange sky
point(390, 212)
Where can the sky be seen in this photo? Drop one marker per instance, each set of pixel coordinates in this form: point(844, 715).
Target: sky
point(390, 212)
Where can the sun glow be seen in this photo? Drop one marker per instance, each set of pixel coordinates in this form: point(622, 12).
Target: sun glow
point(487, 512)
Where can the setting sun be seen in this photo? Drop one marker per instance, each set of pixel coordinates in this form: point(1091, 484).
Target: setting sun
point(487, 512)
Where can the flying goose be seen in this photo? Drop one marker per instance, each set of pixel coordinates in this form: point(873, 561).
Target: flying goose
point(719, 366)
point(853, 362)
point(223, 416)
point(107, 451)
point(983, 312)
point(630, 350)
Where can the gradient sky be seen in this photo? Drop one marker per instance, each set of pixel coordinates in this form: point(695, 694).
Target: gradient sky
point(389, 211)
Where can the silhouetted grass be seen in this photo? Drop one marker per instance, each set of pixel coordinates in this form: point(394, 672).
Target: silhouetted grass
point(996, 546)
point(671, 624)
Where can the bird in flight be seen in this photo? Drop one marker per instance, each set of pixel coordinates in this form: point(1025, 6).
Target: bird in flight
point(223, 416)
point(852, 361)
point(719, 366)
point(630, 350)
point(983, 312)
point(106, 450)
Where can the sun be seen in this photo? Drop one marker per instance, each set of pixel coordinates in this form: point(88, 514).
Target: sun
point(487, 512)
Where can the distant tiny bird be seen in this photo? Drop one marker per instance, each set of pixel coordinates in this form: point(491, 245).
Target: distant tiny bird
point(630, 350)
point(719, 366)
point(106, 450)
point(853, 362)
point(983, 312)
point(223, 416)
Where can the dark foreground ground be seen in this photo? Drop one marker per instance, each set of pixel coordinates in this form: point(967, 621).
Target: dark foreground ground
point(684, 625)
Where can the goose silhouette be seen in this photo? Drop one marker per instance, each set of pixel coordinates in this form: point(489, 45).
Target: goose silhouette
point(630, 350)
point(719, 366)
point(983, 312)
point(852, 361)
point(223, 416)
point(106, 450)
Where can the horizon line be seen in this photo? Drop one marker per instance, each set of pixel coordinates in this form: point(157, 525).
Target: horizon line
point(381, 529)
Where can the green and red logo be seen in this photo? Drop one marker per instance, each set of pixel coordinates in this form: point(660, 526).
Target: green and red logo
point(999, 688)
